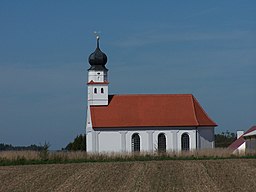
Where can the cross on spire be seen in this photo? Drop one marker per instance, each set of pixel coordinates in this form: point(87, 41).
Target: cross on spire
point(97, 34)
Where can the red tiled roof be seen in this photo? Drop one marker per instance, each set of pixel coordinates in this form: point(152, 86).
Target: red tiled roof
point(150, 110)
point(92, 82)
point(237, 143)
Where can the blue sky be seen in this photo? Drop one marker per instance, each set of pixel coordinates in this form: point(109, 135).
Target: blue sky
point(207, 48)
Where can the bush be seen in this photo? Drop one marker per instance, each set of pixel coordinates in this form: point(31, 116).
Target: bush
point(44, 152)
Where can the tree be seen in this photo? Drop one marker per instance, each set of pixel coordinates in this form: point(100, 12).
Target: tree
point(7, 147)
point(77, 145)
point(224, 139)
point(44, 152)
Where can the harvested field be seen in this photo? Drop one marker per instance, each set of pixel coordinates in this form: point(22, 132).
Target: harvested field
point(172, 175)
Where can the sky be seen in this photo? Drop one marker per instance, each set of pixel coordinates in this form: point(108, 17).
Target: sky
point(207, 48)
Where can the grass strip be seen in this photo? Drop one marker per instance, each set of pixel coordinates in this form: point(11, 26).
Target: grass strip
point(104, 158)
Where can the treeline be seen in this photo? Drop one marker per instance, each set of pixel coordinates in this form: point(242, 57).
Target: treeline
point(224, 139)
point(77, 145)
point(7, 147)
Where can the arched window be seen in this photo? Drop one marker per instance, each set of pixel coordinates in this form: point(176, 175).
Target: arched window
point(95, 90)
point(102, 90)
point(161, 143)
point(185, 142)
point(135, 142)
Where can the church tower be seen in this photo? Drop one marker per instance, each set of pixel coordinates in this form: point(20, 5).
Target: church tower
point(97, 77)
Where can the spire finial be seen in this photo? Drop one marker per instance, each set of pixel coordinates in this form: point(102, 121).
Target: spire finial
point(97, 34)
point(98, 59)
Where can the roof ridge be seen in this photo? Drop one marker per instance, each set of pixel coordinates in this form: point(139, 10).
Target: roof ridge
point(145, 94)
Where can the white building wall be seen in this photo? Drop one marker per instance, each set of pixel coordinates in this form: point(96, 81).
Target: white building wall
point(98, 98)
point(241, 148)
point(192, 138)
point(250, 143)
point(110, 140)
point(205, 138)
point(89, 142)
point(143, 140)
point(171, 139)
point(97, 76)
point(88, 130)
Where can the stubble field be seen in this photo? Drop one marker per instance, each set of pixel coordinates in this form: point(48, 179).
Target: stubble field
point(171, 175)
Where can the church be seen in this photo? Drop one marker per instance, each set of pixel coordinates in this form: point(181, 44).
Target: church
point(141, 122)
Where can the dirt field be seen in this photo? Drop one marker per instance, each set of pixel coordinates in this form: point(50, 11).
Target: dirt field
point(178, 175)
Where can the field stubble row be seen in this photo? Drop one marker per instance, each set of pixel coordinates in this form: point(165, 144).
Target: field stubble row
point(171, 175)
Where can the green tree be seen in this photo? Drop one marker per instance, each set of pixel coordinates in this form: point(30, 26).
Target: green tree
point(77, 145)
point(44, 152)
point(224, 139)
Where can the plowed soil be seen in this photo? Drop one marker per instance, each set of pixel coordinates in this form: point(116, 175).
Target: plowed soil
point(178, 175)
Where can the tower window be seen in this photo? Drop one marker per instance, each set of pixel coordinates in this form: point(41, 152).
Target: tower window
point(95, 90)
point(102, 90)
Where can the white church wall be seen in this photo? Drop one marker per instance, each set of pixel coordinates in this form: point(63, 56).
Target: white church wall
point(120, 140)
point(169, 139)
point(88, 120)
point(143, 140)
point(97, 76)
point(98, 98)
point(192, 138)
point(89, 141)
point(109, 141)
point(89, 131)
point(206, 137)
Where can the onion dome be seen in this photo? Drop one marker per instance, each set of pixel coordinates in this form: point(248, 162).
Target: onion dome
point(98, 59)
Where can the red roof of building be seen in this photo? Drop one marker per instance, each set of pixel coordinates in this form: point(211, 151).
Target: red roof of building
point(150, 111)
point(237, 143)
